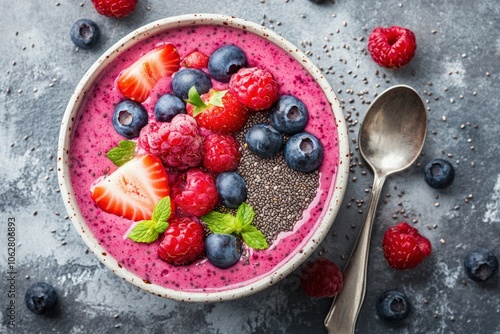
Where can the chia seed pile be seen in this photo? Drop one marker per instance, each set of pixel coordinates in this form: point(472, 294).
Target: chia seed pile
point(277, 194)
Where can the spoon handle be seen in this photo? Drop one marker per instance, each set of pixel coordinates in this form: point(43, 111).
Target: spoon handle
point(341, 318)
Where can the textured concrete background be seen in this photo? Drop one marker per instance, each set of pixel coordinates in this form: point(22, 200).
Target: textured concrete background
point(456, 70)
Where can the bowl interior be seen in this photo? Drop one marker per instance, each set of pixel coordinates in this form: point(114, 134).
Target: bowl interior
point(79, 162)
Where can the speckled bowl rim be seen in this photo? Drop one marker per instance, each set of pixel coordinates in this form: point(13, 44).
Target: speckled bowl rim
point(337, 190)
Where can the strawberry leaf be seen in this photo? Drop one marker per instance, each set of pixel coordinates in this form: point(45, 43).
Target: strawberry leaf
point(253, 237)
point(216, 98)
point(145, 231)
point(219, 222)
point(195, 99)
point(123, 153)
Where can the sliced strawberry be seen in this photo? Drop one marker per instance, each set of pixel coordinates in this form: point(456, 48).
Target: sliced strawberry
point(137, 81)
point(133, 190)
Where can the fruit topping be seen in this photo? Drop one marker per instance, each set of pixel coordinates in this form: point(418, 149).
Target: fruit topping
point(195, 59)
point(255, 88)
point(226, 61)
point(221, 153)
point(321, 278)
point(404, 247)
point(223, 250)
point(392, 47)
point(114, 8)
point(217, 110)
point(129, 118)
point(289, 115)
point(480, 264)
point(232, 189)
point(167, 107)
point(133, 190)
point(41, 298)
point(182, 241)
point(137, 81)
point(439, 173)
point(264, 140)
point(187, 78)
point(148, 230)
point(85, 34)
point(179, 143)
point(194, 193)
point(303, 152)
point(393, 305)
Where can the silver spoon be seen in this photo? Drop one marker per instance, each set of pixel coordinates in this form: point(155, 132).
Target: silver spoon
point(390, 140)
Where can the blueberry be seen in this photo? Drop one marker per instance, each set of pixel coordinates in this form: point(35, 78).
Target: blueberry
point(41, 298)
point(264, 140)
point(303, 152)
point(129, 118)
point(232, 189)
point(439, 173)
point(85, 34)
point(167, 107)
point(393, 305)
point(223, 250)
point(289, 115)
point(226, 61)
point(189, 77)
point(318, 1)
point(480, 264)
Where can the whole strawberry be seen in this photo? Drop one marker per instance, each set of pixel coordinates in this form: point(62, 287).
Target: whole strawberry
point(115, 8)
point(182, 241)
point(392, 47)
point(255, 88)
point(404, 247)
point(179, 143)
point(217, 110)
point(321, 278)
point(221, 153)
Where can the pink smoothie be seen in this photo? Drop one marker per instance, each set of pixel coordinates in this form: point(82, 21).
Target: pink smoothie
point(94, 135)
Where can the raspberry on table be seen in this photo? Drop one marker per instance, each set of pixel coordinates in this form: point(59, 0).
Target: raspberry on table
point(321, 278)
point(114, 8)
point(179, 143)
point(255, 88)
point(221, 153)
point(194, 193)
point(392, 47)
point(182, 242)
point(404, 247)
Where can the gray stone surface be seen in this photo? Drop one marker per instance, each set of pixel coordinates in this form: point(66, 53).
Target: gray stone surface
point(456, 70)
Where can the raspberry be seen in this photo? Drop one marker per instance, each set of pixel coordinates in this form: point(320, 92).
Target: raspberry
point(392, 47)
point(182, 241)
point(221, 153)
point(178, 143)
point(255, 88)
point(114, 8)
point(194, 193)
point(321, 278)
point(195, 59)
point(404, 247)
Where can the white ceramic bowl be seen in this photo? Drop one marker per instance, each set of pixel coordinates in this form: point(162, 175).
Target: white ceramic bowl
point(314, 238)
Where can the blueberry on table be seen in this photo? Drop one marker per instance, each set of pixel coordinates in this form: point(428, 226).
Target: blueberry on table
point(264, 140)
point(393, 305)
point(232, 189)
point(289, 115)
point(226, 61)
point(187, 78)
point(85, 34)
point(439, 173)
point(41, 298)
point(129, 118)
point(223, 250)
point(167, 107)
point(480, 264)
point(303, 152)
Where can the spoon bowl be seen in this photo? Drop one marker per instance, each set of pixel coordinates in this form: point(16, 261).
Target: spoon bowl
point(390, 139)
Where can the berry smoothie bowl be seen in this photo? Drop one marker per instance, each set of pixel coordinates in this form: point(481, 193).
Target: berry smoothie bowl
point(203, 158)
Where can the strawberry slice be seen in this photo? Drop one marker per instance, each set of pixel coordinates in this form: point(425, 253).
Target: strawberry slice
point(133, 190)
point(137, 81)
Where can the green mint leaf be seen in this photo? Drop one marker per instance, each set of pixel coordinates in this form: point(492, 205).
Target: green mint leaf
point(216, 98)
point(123, 153)
point(253, 237)
point(219, 222)
point(195, 99)
point(161, 213)
point(244, 215)
point(144, 231)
